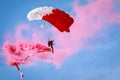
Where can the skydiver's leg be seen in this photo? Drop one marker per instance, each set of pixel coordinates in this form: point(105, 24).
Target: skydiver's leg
point(52, 49)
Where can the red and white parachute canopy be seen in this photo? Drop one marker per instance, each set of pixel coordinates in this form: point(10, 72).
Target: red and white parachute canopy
point(61, 20)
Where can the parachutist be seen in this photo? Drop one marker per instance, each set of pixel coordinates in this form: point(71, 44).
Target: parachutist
point(50, 44)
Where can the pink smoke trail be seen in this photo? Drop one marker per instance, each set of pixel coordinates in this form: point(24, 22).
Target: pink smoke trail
point(88, 20)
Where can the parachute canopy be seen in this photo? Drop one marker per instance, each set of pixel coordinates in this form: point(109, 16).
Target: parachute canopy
point(58, 18)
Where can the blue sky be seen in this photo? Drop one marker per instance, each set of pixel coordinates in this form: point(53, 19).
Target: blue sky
point(99, 62)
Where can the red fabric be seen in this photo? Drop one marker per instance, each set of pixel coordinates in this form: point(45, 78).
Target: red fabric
point(61, 20)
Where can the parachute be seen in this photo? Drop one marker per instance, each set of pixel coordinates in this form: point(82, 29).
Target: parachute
point(58, 18)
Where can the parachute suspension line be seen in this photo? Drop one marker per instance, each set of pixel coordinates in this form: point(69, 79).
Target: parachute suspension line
point(43, 24)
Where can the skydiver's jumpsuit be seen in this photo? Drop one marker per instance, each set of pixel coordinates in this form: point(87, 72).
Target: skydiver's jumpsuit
point(50, 44)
